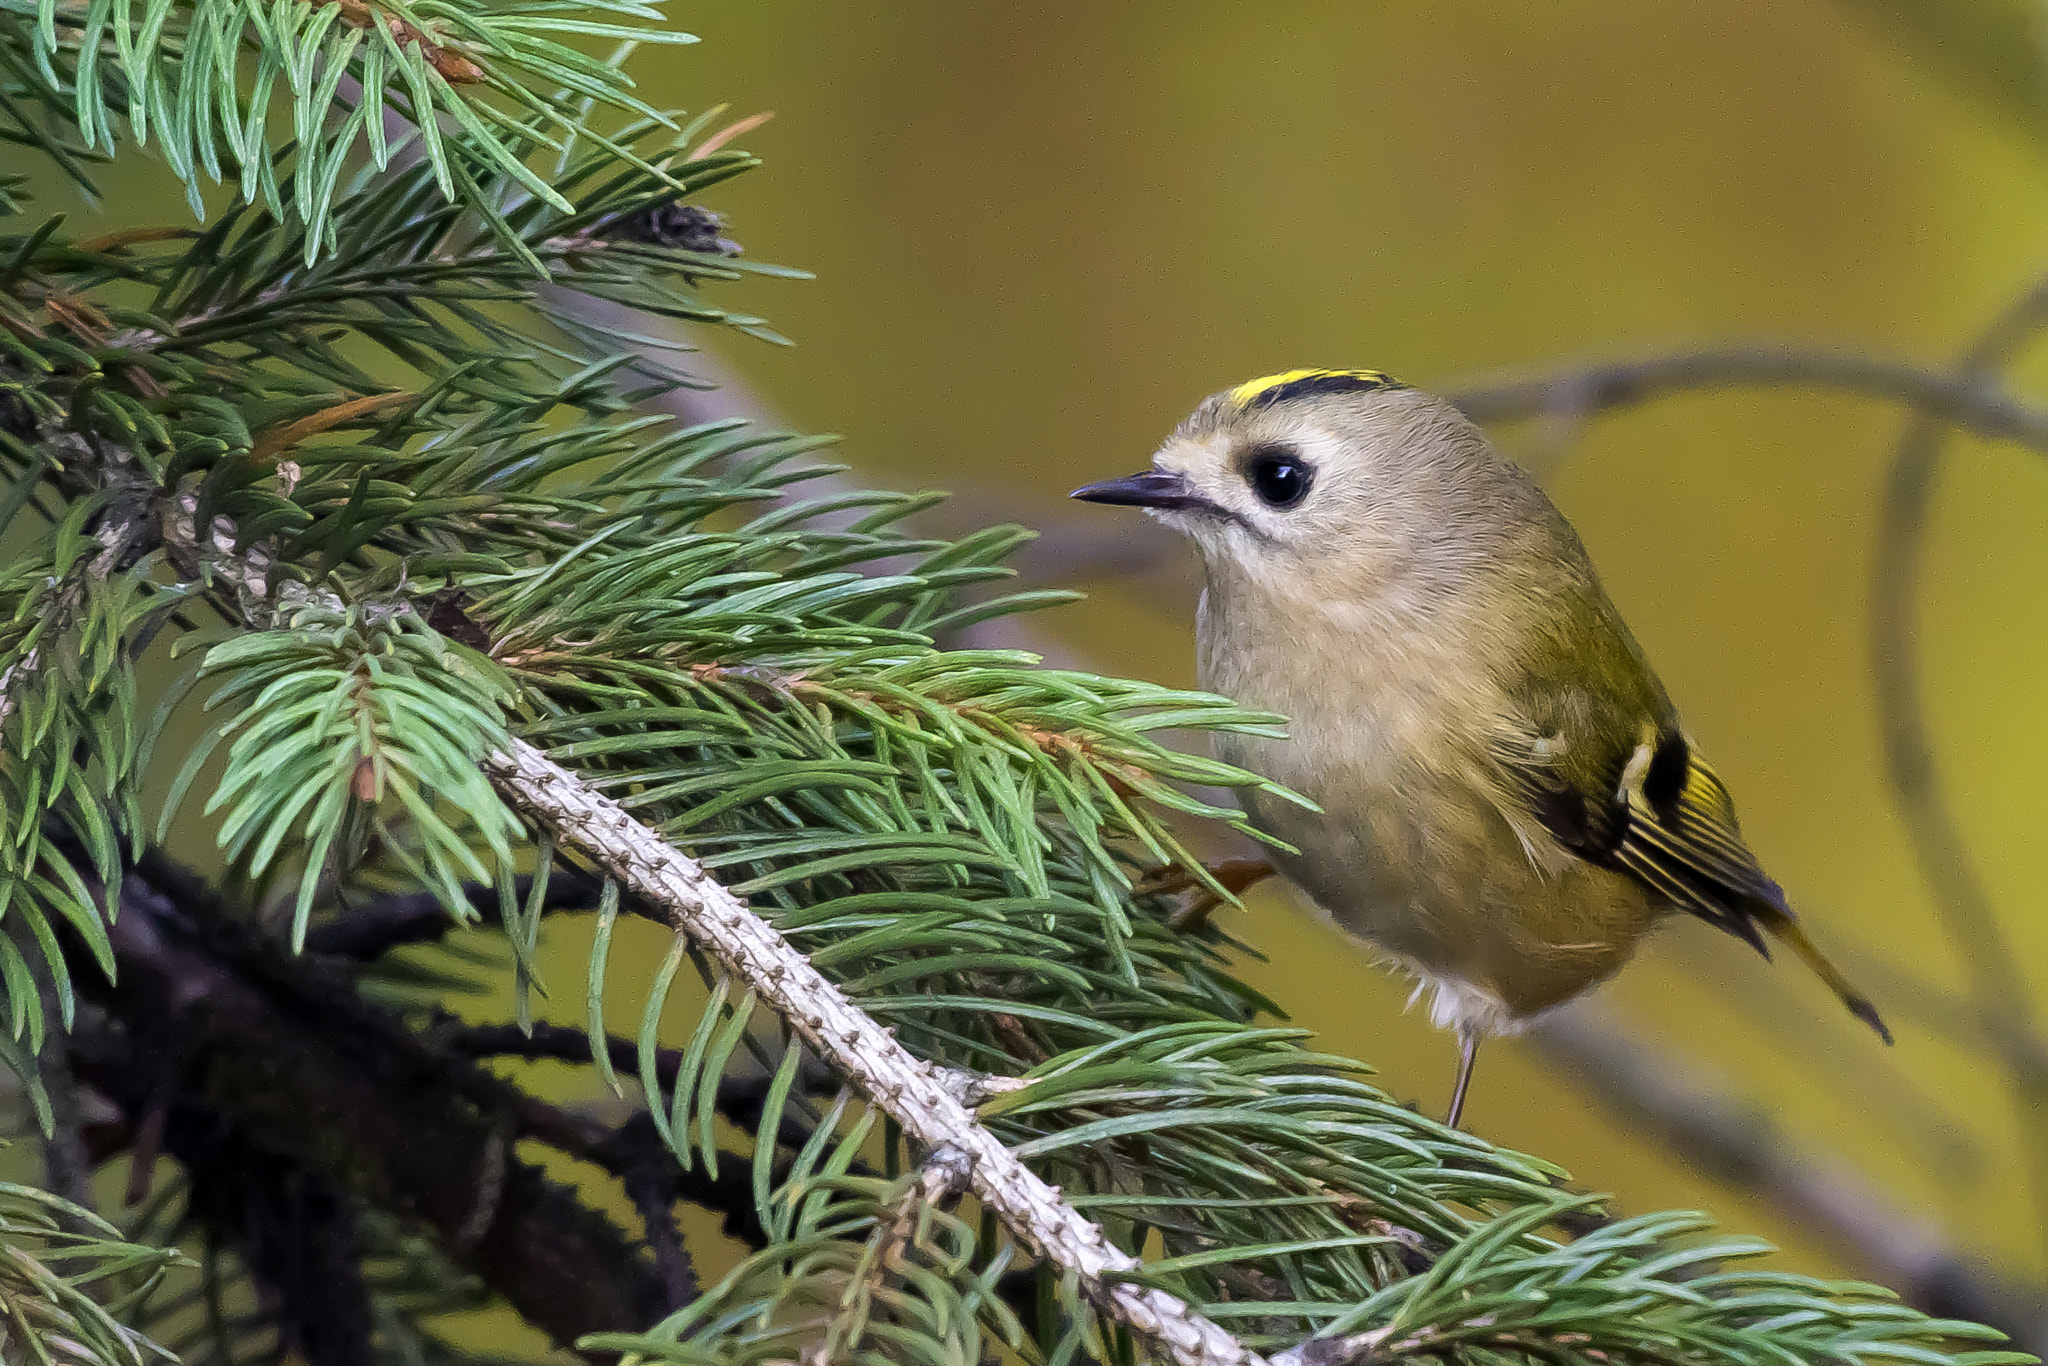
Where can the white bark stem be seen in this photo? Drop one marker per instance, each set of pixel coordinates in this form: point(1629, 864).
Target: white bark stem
point(911, 1091)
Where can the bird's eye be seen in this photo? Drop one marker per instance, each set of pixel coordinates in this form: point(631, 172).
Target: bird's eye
point(1280, 477)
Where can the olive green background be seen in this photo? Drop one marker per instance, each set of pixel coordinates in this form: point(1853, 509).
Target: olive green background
point(1043, 232)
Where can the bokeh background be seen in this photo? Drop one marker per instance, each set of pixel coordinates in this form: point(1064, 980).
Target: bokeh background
point(1042, 233)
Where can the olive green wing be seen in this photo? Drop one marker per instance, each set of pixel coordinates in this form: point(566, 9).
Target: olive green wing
point(1594, 760)
point(1651, 810)
point(1658, 812)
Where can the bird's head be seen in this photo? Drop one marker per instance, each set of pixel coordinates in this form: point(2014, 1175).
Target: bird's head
point(1342, 478)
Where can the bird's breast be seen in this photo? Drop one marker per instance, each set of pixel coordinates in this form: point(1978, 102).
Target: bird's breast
point(1413, 850)
point(1370, 712)
point(1377, 735)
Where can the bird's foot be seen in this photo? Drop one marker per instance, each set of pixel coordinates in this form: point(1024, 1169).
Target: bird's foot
point(1468, 1050)
point(1233, 875)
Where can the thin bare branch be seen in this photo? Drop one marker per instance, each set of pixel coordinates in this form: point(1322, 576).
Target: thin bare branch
point(1998, 987)
point(1959, 400)
point(1697, 1117)
point(1953, 1016)
point(67, 1162)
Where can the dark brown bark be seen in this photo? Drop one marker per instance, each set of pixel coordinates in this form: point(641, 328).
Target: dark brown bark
point(287, 1097)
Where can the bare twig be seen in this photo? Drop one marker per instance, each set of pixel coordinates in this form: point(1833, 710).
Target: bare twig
point(1696, 1117)
point(857, 1048)
point(737, 1099)
point(1997, 987)
point(1895, 1101)
point(1953, 1016)
point(375, 928)
point(1960, 400)
point(653, 1180)
point(1565, 399)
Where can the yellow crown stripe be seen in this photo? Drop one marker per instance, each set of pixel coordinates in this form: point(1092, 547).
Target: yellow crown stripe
point(1268, 388)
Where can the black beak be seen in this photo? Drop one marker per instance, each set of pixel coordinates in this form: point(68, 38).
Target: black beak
point(1152, 489)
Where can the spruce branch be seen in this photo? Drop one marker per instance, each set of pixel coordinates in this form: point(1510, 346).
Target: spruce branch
point(902, 1237)
point(71, 746)
point(508, 80)
point(343, 713)
point(67, 1278)
point(910, 1090)
point(854, 1045)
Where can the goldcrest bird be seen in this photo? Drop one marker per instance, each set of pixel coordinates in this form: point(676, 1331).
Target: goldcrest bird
point(1508, 799)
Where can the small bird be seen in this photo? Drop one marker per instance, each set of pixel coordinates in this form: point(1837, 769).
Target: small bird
point(1508, 799)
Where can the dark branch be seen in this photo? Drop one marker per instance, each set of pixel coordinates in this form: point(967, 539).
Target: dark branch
point(560, 1043)
point(654, 1181)
point(1741, 1146)
point(369, 931)
point(1997, 985)
point(220, 1036)
point(1954, 1017)
point(67, 1165)
point(1961, 401)
point(739, 1099)
point(634, 1152)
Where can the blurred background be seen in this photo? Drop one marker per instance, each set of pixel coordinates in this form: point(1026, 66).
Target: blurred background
point(1042, 233)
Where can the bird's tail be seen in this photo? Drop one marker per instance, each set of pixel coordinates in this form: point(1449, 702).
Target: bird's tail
point(1785, 930)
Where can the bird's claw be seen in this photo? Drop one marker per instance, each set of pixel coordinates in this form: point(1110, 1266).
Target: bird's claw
point(1234, 876)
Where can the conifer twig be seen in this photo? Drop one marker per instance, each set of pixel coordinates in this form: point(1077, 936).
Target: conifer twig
point(114, 537)
point(917, 1095)
point(911, 1091)
point(938, 1184)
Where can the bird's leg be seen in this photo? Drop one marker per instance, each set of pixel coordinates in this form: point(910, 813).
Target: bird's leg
point(1234, 875)
point(1468, 1049)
